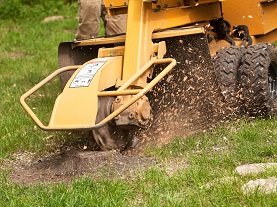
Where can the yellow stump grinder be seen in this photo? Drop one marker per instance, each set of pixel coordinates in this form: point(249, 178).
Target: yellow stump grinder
point(181, 64)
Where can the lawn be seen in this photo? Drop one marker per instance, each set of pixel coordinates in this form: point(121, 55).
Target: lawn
point(28, 53)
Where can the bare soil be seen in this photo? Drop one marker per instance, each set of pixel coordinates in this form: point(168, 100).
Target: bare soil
point(73, 163)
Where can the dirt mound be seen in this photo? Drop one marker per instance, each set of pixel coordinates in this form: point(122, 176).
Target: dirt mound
point(71, 164)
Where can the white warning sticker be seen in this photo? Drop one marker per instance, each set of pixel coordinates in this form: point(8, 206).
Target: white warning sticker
point(85, 75)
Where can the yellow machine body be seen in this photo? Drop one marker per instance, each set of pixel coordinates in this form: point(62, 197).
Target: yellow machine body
point(89, 80)
point(103, 70)
point(131, 64)
point(259, 15)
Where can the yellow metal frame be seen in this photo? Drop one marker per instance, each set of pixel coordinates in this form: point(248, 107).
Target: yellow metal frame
point(134, 66)
point(37, 87)
point(188, 30)
point(131, 65)
point(120, 92)
point(159, 4)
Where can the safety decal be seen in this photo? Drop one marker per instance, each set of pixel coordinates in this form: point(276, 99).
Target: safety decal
point(85, 75)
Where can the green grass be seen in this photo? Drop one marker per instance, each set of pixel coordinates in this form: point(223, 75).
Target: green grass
point(28, 53)
point(241, 142)
point(209, 157)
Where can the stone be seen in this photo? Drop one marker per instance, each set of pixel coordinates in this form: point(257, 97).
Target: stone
point(52, 19)
point(265, 186)
point(254, 168)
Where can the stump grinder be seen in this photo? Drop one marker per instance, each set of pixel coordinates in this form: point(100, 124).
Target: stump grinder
point(180, 64)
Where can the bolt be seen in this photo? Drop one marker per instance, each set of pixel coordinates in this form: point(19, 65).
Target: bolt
point(131, 115)
point(117, 100)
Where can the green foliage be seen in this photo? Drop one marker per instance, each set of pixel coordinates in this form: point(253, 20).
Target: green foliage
point(11, 8)
point(31, 9)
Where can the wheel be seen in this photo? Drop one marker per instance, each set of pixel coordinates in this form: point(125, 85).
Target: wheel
point(111, 136)
point(226, 64)
point(258, 79)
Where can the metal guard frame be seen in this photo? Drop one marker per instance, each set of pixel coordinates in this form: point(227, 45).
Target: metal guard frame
point(121, 91)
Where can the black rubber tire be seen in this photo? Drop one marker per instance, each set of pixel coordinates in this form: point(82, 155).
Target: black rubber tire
point(257, 75)
point(226, 64)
